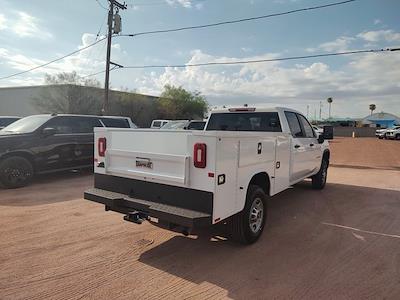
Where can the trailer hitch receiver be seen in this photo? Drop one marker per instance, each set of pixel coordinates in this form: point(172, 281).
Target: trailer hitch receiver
point(136, 217)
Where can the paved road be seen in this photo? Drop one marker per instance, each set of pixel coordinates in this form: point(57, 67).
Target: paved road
point(366, 153)
point(342, 242)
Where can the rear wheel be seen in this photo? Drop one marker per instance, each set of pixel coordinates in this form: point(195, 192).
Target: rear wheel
point(247, 226)
point(15, 172)
point(319, 179)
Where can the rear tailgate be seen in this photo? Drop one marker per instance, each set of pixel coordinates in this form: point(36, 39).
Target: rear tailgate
point(144, 154)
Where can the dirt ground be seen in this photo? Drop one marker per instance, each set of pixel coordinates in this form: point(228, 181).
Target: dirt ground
point(339, 243)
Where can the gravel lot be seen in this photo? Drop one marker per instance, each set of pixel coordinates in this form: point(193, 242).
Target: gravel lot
point(342, 242)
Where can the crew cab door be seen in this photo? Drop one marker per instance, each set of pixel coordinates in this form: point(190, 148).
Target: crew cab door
point(56, 151)
point(314, 148)
point(302, 161)
point(84, 136)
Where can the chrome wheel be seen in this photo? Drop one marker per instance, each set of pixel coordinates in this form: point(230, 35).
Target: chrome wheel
point(256, 216)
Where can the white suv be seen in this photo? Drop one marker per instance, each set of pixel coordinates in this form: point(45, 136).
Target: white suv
point(393, 133)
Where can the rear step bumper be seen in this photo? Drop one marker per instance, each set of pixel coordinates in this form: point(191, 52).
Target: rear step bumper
point(124, 204)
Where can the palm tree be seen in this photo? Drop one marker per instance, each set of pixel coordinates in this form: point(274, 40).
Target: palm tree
point(372, 107)
point(329, 100)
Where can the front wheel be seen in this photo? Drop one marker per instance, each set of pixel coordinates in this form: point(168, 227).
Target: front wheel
point(319, 179)
point(247, 226)
point(15, 172)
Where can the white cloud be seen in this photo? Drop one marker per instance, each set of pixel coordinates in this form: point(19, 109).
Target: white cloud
point(380, 35)
point(28, 26)
point(363, 79)
point(340, 44)
point(246, 49)
point(185, 3)
point(3, 22)
point(377, 21)
point(23, 25)
point(86, 62)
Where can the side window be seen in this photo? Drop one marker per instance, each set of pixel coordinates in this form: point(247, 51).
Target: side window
point(63, 125)
point(294, 124)
point(306, 126)
point(86, 124)
point(116, 123)
point(156, 124)
point(244, 121)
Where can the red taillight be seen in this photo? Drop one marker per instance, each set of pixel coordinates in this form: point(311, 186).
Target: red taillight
point(200, 155)
point(102, 146)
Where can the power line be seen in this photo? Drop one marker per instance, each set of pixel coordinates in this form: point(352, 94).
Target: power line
point(239, 20)
point(180, 29)
point(54, 60)
point(101, 5)
point(240, 62)
point(253, 61)
point(100, 72)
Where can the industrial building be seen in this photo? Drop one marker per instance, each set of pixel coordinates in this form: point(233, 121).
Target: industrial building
point(381, 120)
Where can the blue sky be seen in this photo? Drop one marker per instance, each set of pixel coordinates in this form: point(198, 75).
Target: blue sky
point(33, 32)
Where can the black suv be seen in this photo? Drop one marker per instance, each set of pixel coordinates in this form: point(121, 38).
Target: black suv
point(47, 143)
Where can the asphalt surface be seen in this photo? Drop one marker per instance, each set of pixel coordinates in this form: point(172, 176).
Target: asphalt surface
point(339, 243)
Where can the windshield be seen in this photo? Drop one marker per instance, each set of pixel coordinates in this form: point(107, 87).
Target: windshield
point(27, 124)
point(175, 125)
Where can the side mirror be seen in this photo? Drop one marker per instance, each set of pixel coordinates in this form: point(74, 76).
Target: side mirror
point(321, 138)
point(49, 131)
point(328, 132)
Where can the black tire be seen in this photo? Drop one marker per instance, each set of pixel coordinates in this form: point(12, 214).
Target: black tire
point(397, 136)
point(15, 172)
point(241, 227)
point(319, 179)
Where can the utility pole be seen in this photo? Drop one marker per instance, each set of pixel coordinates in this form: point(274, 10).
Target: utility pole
point(109, 36)
point(320, 109)
point(308, 110)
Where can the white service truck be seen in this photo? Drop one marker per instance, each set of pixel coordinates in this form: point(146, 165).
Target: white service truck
point(183, 180)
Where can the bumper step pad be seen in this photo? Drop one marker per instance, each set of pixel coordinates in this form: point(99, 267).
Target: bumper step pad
point(124, 204)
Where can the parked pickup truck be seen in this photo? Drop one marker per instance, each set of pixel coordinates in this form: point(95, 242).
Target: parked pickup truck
point(183, 180)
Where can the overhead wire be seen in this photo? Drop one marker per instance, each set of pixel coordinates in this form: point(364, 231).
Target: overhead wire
point(241, 62)
point(238, 20)
point(178, 29)
point(101, 5)
point(54, 60)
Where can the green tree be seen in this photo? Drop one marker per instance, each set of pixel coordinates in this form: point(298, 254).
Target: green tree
point(372, 107)
point(178, 103)
point(69, 93)
point(141, 109)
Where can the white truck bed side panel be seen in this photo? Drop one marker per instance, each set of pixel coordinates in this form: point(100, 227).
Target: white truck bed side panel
point(199, 178)
point(227, 165)
point(248, 153)
point(260, 163)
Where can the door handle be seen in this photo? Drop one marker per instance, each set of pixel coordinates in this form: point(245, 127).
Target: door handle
point(311, 145)
point(297, 146)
